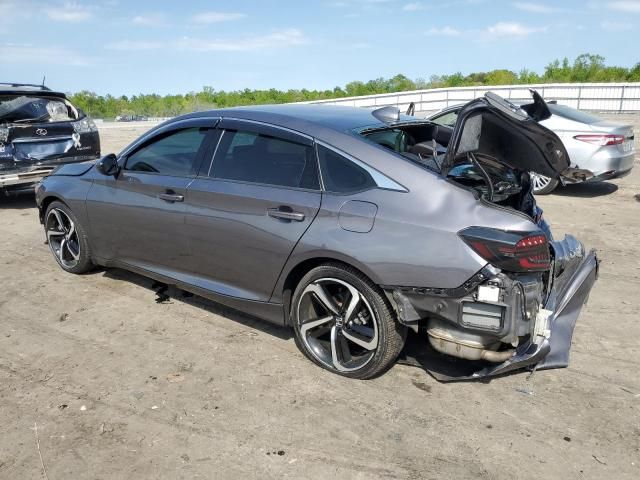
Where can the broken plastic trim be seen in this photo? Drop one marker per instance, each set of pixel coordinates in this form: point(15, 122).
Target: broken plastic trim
point(407, 313)
point(551, 342)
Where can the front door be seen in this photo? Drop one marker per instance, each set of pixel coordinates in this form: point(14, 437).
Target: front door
point(247, 211)
point(138, 218)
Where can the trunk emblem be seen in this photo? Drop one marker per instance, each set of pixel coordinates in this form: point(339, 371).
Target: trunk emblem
point(41, 131)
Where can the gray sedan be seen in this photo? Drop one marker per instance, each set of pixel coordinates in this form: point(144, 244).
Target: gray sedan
point(602, 147)
point(350, 226)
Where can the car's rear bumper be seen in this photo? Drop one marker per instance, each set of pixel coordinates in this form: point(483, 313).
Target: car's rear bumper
point(614, 167)
point(24, 178)
point(550, 332)
point(550, 348)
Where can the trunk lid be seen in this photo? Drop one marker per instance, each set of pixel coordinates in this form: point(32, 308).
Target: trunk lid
point(512, 134)
point(607, 126)
point(35, 142)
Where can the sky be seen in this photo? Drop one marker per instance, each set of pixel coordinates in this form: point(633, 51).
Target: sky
point(129, 47)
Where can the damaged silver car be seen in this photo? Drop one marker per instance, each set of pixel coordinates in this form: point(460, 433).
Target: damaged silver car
point(351, 226)
point(39, 130)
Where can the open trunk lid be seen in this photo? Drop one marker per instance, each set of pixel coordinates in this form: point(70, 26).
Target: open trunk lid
point(512, 134)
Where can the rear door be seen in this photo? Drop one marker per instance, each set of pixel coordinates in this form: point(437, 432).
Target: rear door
point(139, 217)
point(248, 209)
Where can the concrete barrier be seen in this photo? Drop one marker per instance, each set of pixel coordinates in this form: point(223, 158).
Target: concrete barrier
point(598, 97)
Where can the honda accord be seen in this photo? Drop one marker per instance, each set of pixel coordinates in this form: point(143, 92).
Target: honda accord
point(349, 225)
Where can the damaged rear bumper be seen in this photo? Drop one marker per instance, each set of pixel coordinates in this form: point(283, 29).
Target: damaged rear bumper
point(551, 324)
point(550, 347)
point(24, 178)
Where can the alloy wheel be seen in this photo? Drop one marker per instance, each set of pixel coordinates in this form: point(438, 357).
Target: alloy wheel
point(62, 237)
point(337, 324)
point(539, 181)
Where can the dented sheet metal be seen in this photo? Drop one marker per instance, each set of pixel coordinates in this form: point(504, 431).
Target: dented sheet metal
point(550, 343)
point(39, 131)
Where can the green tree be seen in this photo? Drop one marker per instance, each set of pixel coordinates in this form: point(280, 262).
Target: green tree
point(501, 77)
point(585, 68)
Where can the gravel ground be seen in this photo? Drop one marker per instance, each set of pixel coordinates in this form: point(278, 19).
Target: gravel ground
point(120, 386)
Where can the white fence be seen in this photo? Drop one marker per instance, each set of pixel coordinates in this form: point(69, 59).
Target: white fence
point(600, 97)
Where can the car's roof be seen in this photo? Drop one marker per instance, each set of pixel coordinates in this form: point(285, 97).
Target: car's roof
point(304, 117)
point(27, 89)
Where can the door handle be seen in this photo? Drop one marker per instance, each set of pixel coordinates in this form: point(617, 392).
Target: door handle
point(283, 214)
point(171, 197)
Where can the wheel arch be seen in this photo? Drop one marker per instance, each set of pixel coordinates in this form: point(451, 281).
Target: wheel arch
point(289, 279)
point(46, 201)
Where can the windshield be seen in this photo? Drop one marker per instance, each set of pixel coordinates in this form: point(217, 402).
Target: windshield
point(27, 108)
point(573, 114)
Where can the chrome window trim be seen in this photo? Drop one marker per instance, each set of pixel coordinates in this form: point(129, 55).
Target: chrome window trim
point(381, 180)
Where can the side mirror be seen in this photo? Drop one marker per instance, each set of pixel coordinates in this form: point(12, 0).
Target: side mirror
point(108, 165)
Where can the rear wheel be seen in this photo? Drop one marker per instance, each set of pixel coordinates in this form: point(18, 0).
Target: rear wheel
point(343, 322)
point(67, 239)
point(543, 185)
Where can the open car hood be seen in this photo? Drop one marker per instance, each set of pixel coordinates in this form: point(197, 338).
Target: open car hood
point(512, 134)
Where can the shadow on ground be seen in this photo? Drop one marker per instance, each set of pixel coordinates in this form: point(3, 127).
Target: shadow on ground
point(17, 202)
point(169, 293)
point(587, 190)
point(416, 353)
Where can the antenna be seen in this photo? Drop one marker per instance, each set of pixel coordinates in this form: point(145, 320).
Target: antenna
point(43, 79)
point(387, 114)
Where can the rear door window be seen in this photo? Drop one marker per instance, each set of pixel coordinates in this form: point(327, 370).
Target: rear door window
point(174, 153)
point(254, 157)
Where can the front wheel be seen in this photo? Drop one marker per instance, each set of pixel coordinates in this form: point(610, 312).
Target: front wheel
point(67, 239)
point(343, 322)
point(543, 185)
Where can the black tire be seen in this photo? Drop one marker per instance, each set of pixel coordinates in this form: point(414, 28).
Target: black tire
point(69, 240)
point(371, 319)
point(545, 185)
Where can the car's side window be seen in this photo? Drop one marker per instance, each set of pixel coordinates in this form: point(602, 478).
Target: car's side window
point(448, 119)
point(172, 154)
point(341, 175)
point(257, 158)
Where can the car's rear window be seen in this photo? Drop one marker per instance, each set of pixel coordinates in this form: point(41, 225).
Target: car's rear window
point(573, 114)
point(27, 108)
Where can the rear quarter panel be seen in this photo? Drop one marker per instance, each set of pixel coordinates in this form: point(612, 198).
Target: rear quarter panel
point(414, 240)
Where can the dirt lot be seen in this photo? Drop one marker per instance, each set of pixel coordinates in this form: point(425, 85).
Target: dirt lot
point(123, 387)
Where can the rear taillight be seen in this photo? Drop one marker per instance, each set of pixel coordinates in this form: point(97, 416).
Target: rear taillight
point(601, 140)
point(511, 251)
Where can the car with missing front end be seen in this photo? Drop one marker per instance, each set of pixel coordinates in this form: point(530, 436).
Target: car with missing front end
point(39, 130)
point(351, 226)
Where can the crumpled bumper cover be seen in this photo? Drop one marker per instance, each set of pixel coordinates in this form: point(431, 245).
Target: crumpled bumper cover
point(553, 351)
point(20, 178)
point(550, 345)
